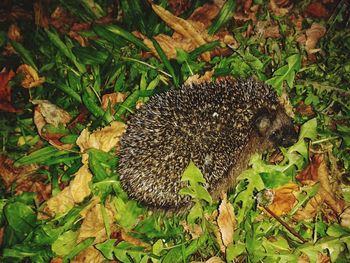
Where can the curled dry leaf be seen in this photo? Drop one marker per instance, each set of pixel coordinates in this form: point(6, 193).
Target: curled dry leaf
point(305, 110)
point(226, 221)
point(345, 218)
point(284, 199)
point(189, 34)
point(280, 10)
point(196, 79)
point(14, 33)
point(193, 229)
point(93, 224)
point(103, 139)
point(90, 254)
point(266, 29)
point(5, 91)
point(313, 35)
point(47, 113)
point(9, 174)
point(110, 100)
point(34, 183)
point(74, 193)
point(317, 171)
point(31, 78)
point(179, 7)
point(316, 9)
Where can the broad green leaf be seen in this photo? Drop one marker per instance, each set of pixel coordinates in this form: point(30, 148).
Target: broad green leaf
point(65, 243)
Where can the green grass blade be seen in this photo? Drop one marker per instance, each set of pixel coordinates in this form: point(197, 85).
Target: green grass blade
point(24, 53)
point(165, 61)
point(225, 14)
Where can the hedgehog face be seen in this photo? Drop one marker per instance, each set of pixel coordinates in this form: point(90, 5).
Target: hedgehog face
point(277, 128)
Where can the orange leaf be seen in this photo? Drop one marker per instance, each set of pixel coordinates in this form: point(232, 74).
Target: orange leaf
point(284, 199)
point(5, 91)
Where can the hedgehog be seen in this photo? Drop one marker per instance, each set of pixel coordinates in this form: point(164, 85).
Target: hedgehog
point(217, 125)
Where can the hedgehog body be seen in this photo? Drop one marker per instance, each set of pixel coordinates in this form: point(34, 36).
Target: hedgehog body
point(216, 125)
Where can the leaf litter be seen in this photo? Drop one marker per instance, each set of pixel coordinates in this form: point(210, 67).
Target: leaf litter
point(63, 112)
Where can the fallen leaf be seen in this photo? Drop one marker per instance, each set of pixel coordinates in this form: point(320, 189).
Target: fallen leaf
point(61, 19)
point(111, 99)
point(47, 113)
point(90, 254)
point(9, 174)
point(14, 33)
point(226, 221)
point(103, 139)
point(133, 240)
point(179, 7)
point(305, 110)
point(266, 29)
point(31, 78)
point(345, 218)
point(284, 199)
point(74, 193)
point(313, 35)
point(317, 10)
point(317, 171)
point(93, 224)
point(34, 183)
point(193, 229)
point(189, 34)
point(279, 9)
point(196, 79)
point(5, 91)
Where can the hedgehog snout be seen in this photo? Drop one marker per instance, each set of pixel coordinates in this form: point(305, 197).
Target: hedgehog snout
point(285, 136)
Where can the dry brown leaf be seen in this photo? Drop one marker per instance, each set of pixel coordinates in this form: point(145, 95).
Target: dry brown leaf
point(196, 79)
point(10, 174)
point(133, 240)
point(103, 139)
point(226, 221)
point(34, 183)
point(189, 34)
point(31, 78)
point(316, 9)
point(266, 29)
point(313, 35)
point(5, 91)
point(110, 100)
point(178, 7)
point(305, 110)
point(345, 218)
point(317, 171)
point(47, 113)
point(14, 33)
point(279, 10)
point(40, 15)
point(90, 255)
point(183, 27)
point(193, 229)
point(93, 224)
point(75, 193)
point(284, 199)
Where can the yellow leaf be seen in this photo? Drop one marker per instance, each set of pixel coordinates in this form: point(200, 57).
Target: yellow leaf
point(226, 221)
